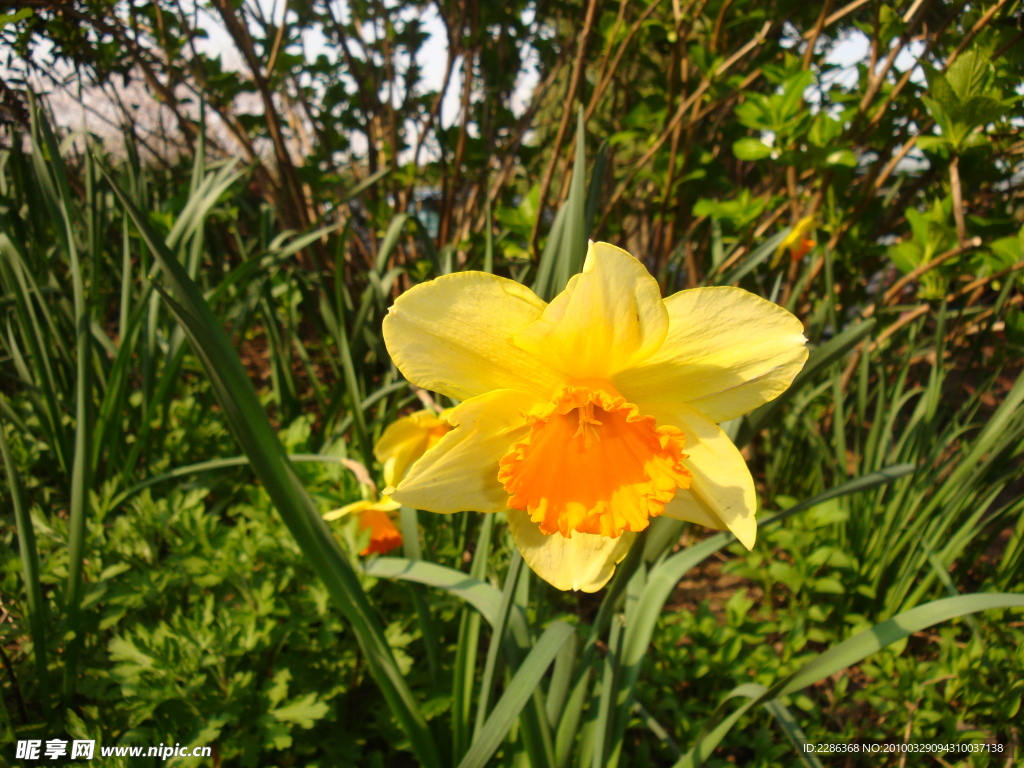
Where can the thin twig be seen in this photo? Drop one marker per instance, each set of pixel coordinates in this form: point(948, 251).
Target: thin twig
point(894, 291)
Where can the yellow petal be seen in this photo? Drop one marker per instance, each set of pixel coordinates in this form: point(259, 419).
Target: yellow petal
point(348, 509)
point(688, 506)
point(727, 351)
point(609, 317)
point(584, 562)
point(721, 492)
point(406, 439)
point(453, 335)
point(386, 504)
point(461, 472)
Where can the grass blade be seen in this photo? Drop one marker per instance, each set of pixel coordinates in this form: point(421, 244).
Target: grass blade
point(561, 680)
point(545, 282)
point(574, 244)
point(409, 521)
point(516, 695)
point(463, 676)
point(605, 748)
point(488, 681)
point(14, 272)
point(757, 257)
point(483, 597)
point(213, 464)
point(794, 733)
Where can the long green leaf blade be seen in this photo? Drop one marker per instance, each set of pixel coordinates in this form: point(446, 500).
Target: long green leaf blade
point(483, 597)
point(516, 695)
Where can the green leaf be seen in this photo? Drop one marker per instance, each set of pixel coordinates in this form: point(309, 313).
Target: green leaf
point(933, 143)
point(791, 100)
point(390, 240)
point(940, 114)
point(752, 113)
point(468, 643)
point(751, 149)
point(940, 93)
point(574, 246)
point(842, 157)
point(757, 257)
point(488, 679)
point(794, 733)
point(14, 18)
point(829, 586)
point(366, 183)
point(786, 574)
point(906, 256)
point(603, 743)
point(979, 111)
point(544, 284)
point(970, 75)
point(485, 598)
point(215, 464)
point(303, 711)
point(63, 201)
point(824, 130)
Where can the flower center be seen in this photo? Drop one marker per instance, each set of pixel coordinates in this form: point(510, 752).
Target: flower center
point(801, 248)
point(591, 463)
point(384, 536)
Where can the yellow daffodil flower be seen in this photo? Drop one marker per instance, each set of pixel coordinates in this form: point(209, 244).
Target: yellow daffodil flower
point(375, 517)
point(408, 438)
point(798, 242)
point(403, 442)
point(588, 416)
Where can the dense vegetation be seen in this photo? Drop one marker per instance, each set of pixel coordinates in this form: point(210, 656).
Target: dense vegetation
point(184, 309)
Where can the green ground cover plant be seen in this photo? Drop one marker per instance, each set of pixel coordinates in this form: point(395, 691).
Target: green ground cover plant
point(192, 373)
